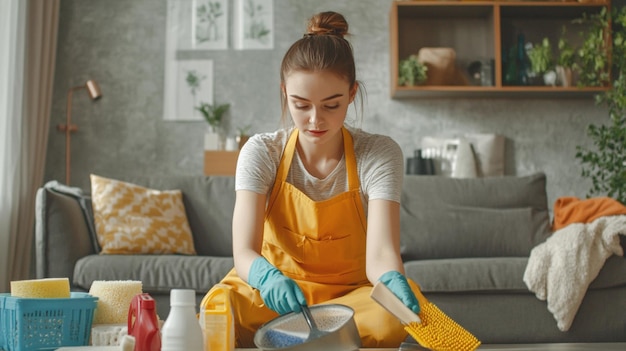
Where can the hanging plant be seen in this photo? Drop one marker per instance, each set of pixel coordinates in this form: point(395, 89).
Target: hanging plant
point(605, 162)
point(593, 63)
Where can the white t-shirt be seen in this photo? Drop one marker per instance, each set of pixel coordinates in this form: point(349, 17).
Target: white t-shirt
point(380, 165)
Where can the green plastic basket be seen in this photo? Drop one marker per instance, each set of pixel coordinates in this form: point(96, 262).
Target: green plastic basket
point(45, 324)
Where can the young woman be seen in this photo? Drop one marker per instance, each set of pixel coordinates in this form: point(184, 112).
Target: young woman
point(316, 217)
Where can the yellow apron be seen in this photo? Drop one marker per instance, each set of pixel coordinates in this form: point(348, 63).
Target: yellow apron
point(321, 245)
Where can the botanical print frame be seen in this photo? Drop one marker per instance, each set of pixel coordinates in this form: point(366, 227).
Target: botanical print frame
point(194, 85)
point(253, 24)
point(209, 27)
point(191, 85)
point(182, 57)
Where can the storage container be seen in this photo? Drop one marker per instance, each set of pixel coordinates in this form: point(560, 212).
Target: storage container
point(28, 324)
point(217, 319)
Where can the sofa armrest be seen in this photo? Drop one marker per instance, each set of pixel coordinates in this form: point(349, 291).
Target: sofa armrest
point(64, 230)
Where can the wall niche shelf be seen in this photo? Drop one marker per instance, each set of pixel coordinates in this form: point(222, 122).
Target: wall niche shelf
point(481, 30)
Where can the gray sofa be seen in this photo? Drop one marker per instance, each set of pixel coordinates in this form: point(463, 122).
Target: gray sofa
point(465, 241)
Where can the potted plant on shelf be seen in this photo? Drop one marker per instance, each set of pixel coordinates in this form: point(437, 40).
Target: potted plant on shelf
point(542, 61)
point(566, 62)
point(604, 163)
point(213, 114)
point(411, 71)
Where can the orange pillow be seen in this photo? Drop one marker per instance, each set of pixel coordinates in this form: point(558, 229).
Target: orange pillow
point(571, 209)
point(131, 219)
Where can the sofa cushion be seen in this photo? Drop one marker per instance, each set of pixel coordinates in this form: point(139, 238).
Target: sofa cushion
point(475, 217)
point(209, 203)
point(502, 274)
point(494, 274)
point(131, 219)
point(158, 273)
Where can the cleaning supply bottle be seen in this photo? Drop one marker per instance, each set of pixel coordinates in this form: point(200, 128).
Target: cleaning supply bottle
point(217, 320)
point(143, 323)
point(181, 331)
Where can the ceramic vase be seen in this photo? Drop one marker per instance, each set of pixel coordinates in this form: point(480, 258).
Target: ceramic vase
point(564, 76)
point(211, 139)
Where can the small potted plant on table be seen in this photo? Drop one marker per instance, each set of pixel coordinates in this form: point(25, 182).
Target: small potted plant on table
point(243, 135)
point(213, 114)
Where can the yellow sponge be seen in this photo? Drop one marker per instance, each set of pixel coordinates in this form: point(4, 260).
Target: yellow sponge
point(41, 288)
point(114, 298)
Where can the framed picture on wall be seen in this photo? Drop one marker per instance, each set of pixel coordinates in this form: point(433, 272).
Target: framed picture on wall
point(209, 25)
point(197, 24)
point(192, 84)
point(253, 25)
point(188, 72)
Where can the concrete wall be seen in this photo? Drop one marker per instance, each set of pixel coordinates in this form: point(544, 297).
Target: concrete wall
point(120, 43)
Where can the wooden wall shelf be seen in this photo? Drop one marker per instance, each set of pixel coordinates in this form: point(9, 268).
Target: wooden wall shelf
point(481, 30)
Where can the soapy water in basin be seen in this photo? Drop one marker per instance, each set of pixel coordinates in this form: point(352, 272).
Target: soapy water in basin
point(292, 329)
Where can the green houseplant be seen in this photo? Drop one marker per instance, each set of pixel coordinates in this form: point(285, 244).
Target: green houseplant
point(411, 71)
point(213, 114)
point(542, 60)
point(604, 163)
point(593, 63)
point(567, 57)
point(566, 61)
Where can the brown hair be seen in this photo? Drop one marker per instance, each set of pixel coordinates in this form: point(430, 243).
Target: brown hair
point(322, 48)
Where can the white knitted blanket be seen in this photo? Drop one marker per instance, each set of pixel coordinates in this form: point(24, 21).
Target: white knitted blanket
point(561, 269)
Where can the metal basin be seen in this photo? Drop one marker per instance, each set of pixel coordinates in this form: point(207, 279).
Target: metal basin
point(290, 331)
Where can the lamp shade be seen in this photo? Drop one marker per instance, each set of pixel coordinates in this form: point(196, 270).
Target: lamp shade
point(93, 89)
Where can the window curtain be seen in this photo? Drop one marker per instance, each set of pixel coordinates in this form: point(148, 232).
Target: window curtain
point(28, 32)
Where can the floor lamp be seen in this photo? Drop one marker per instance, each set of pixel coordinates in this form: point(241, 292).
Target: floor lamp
point(94, 93)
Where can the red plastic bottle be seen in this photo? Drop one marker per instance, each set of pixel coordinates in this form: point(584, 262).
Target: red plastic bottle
point(143, 323)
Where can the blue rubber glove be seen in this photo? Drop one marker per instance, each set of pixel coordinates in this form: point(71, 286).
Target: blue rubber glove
point(398, 284)
point(280, 293)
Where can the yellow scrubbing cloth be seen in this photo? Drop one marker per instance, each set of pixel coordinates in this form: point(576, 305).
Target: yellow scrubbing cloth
point(432, 328)
point(439, 332)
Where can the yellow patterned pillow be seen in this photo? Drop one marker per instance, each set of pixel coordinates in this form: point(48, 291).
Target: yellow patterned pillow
point(131, 219)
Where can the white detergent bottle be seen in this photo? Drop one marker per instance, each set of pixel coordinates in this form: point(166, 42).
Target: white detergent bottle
point(181, 331)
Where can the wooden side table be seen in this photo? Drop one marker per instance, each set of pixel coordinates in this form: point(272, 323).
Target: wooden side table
point(220, 162)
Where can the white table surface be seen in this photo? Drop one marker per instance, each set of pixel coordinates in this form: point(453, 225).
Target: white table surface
point(493, 347)
point(557, 347)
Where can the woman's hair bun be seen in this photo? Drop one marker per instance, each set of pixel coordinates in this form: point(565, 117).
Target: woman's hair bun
point(327, 23)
